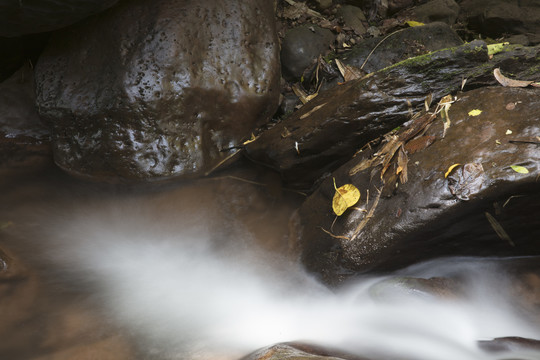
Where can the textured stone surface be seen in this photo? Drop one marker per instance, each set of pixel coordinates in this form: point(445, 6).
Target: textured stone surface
point(445, 11)
point(353, 17)
point(410, 42)
point(156, 90)
point(432, 215)
point(496, 18)
point(329, 129)
point(24, 140)
point(301, 47)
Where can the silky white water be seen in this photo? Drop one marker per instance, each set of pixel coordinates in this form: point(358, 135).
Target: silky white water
point(191, 291)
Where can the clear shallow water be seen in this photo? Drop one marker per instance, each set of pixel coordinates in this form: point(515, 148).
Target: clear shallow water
point(199, 272)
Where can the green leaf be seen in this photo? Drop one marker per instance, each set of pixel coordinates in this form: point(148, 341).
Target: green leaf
point(496, 48)
point(519, 169)
point(412, 23)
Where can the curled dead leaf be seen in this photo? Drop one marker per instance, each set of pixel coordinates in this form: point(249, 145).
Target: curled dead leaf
point(504, 81)
point(452, 167)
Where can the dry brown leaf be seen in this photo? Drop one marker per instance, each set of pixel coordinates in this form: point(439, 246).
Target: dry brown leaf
point(311, 111)
point(298, 9)
point(504, 81)
point(419, 144)
point(349, 72)
point(302, 95)
point(402, 162)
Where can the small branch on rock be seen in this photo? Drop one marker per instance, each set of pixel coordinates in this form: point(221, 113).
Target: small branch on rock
point(368, 216)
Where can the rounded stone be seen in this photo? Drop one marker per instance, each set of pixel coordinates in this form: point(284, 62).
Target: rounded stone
point(301, 47)
point(157, 90)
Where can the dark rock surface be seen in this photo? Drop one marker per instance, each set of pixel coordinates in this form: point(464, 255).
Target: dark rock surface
point(26, 17)
point(329, 129)
point(14, 52)
point(24, 140)
point(301, 47)
point(156, 90)
point(446, 11)
point(511, 345)
point(353, 17)
point(298, 351)
point(496, 18)
point(405, 44)
point(430, 215)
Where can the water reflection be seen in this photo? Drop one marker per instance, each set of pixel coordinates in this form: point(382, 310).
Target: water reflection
point(199, 271)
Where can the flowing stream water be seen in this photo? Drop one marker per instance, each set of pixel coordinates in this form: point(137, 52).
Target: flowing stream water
point(200, 271)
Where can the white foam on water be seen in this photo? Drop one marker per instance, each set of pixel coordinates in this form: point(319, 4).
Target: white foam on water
point(187, 296)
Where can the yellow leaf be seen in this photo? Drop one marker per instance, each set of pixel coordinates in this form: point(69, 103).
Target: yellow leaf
point(450, 170)
point(519, 169)
point(496, 48)
point(475, 112)
point(345, 197)
point(508, 132)
point(414, 23)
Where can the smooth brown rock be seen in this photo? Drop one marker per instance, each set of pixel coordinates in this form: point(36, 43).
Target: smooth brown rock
point(432, 215)
point(150, 90)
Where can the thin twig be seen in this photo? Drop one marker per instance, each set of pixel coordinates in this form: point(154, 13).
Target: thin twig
point(497, 227)
point(332, 235)
point(524, 142)
point(368, 216)
point(223, 162)
point(379, 43)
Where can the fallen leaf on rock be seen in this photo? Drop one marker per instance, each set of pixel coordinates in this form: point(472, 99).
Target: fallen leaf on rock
point(345, 197)
point(466, 181)
point(445, 103)
point(510, 106)
point(349, 72)
point(298, 9)
point(475, 112)
point(519, 169)
point(419, 144)
point(302, 95)
point(504, 81)
point(427, 101)
point(402, 162)
point(412, 23)
point(496, 48)
point(252, 139)
point(452, 167)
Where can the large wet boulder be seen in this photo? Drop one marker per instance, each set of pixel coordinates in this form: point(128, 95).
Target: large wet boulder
point(497, 18)
point(414, 206)
point(329, 129)
point(155, 90)
point(27, 17)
